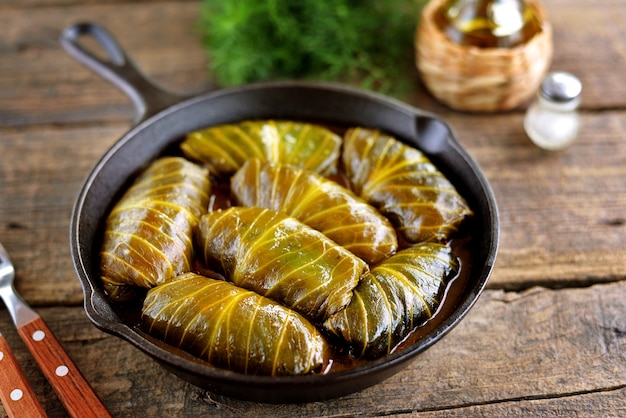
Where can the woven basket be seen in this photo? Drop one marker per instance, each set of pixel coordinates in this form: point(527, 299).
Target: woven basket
point(481, 79)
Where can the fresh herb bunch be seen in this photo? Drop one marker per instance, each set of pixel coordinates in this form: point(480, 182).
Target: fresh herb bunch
point(366, 42)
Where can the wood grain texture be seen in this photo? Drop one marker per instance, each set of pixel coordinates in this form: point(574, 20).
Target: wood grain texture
point(18, 397)
point(563, 217)
point(42, 170)
point(514, 350)
point(73, 390)
point(36, 71)
point(548, 337)
point(43, 84)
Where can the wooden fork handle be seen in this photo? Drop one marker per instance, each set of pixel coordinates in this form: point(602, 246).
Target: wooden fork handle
point(71, 387)
point(17, 396)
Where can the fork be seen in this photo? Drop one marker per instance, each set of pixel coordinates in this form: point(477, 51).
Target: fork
point(71, 387)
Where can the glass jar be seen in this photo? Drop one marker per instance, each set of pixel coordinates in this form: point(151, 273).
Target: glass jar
point(552, 121)
point(488, 23)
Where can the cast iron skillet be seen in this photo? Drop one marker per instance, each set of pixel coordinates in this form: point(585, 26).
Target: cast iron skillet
point(163, 118)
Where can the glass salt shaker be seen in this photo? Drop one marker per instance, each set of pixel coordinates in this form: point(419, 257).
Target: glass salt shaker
point(552, 122)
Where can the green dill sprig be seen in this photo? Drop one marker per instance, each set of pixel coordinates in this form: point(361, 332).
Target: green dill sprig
point(367, 43)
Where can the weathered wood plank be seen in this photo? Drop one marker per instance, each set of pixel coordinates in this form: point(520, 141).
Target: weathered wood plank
point(40, 83)
point(608, 404)
point(514, 353)
point(42, 171)
point(589, 41)
point(563, 214)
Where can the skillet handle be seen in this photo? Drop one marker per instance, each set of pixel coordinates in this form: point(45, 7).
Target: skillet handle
point(147, 97)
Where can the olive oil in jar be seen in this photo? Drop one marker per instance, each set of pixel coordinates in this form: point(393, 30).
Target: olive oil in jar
point(488, 23)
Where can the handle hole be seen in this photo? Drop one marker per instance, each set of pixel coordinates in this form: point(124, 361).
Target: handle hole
point(96, 42)
point(92, 45)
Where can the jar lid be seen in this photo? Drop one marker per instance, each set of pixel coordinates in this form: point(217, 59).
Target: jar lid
point(560, 86)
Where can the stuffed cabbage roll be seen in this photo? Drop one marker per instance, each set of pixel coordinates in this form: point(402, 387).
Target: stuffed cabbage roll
point(232, 328)
point(393, 299)
point(318, 202)
point(148, 235)
point(404, 185)
point(224, 148)
point(281, 258)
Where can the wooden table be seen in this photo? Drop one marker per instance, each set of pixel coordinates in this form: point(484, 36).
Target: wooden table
point(547, 337)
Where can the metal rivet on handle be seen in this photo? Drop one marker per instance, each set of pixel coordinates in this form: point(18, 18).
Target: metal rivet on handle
point(16, 394)
point(62, 371)
point(39, 335)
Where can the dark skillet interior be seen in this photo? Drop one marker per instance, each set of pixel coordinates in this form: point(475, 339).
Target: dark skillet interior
point(327, 104)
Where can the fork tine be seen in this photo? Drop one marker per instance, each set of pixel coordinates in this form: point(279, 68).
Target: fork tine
point(7, 271)
point(3, 254)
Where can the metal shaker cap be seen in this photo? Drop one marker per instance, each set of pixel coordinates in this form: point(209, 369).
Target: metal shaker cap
point(560, 86)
